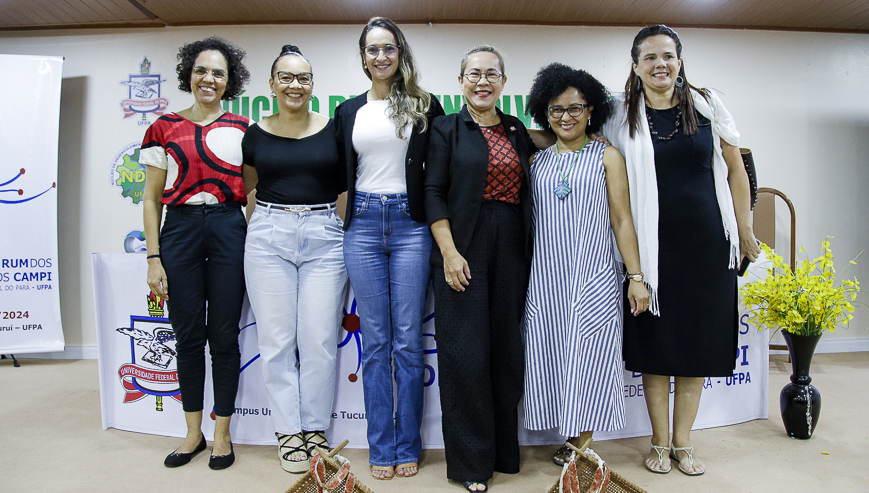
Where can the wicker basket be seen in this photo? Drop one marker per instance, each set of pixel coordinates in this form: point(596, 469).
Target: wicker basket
point(586, 467)
point(332, 462)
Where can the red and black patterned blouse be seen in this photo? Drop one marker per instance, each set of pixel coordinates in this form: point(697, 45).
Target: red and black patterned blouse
point(202, 162)
point(504, 178)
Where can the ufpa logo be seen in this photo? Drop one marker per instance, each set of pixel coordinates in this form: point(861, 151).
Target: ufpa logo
point(144, 94)
point(152, 370)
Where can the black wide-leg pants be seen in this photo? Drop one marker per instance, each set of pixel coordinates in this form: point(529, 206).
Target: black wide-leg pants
point(481, 359)
point(202, 251)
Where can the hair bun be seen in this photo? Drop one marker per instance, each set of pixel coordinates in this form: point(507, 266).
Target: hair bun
point(287, 49)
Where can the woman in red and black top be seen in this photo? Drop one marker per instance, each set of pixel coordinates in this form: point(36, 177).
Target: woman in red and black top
point(479, 209)
point(194, 160)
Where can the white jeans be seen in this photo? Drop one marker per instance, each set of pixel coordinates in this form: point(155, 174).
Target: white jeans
point(296, 282)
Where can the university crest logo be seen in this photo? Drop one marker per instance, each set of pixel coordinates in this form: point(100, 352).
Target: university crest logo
point(144, 94)
point(151, 370)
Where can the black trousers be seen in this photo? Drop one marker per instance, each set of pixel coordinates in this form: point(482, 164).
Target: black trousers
point(481, 359)
point(202, 250)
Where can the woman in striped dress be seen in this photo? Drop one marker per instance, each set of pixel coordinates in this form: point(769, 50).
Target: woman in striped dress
point(573, 370)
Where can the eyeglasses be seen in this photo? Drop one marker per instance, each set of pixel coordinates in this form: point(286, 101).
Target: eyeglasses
point(573, 110)
point(492, 76)
point(217, 74)
point(389, 50)
point(305, 78)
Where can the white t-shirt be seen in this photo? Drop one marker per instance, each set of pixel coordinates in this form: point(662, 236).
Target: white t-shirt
point(381, 153)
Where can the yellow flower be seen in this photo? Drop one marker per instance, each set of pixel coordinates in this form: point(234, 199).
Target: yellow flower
point(805, 301)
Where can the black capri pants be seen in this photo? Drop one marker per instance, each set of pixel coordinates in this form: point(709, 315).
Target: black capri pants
point(202, 251)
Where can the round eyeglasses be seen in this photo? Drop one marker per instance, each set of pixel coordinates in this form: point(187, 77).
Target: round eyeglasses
point(389, 51)
point(491, 76)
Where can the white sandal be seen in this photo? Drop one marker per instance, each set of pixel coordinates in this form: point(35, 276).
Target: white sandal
point(660, 451)
point(690, 452)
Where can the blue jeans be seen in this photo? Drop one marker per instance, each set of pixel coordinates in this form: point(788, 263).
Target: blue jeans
point(294, 267)
point(387, 257)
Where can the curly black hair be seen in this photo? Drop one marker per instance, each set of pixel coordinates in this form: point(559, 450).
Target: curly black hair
point(552, 80)
point(238, 75)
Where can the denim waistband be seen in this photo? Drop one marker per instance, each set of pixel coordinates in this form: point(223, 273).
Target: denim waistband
point(204, 208)
point(297, 209)
point(382, 198)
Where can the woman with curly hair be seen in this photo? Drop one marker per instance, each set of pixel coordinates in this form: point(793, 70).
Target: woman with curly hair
point(383, 136)
point(193, 166)
point(690, 196)
point(573, 317)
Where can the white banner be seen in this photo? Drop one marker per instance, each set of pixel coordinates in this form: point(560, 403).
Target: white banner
point(139, 386)
point(29, 119)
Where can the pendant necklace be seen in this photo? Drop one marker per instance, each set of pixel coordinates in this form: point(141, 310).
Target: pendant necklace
point(563, 188)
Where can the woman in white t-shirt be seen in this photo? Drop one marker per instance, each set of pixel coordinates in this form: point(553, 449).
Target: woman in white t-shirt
point(383, 136)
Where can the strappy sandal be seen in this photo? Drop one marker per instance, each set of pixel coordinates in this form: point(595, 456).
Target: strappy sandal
point(286, 450)
point(315, 439)
point(690, 452)
point(562, 455)
point(660, 451)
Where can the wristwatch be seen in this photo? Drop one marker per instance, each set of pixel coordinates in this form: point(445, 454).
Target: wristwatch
point(635, 277)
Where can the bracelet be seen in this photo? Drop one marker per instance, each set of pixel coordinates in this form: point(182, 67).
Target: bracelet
point(635, 277)
point(149, 257)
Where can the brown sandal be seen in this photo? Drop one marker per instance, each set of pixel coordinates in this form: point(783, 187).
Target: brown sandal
point(408, 465)
point(388, 470)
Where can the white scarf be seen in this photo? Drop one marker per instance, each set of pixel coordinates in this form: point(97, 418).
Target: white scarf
point(640, 161)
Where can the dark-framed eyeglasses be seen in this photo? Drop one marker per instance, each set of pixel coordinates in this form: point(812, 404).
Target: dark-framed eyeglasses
point(475, 76)
point(217, 73)
point(573, 110)
point(389, 51)
point(304, 78)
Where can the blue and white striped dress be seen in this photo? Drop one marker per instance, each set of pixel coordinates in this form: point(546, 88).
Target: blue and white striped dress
point(573, 315)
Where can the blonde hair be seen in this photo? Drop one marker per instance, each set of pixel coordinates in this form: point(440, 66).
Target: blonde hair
point(408, 102)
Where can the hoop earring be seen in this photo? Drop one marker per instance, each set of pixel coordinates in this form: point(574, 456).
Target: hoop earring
point(680, 81)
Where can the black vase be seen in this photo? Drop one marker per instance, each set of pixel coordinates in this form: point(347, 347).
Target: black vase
point(800, 402)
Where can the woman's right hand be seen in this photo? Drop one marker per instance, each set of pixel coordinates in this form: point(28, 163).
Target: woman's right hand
point(456, 270)
point(157, 280)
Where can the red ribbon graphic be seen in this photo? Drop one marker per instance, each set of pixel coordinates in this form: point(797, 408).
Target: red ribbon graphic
point(129, 371)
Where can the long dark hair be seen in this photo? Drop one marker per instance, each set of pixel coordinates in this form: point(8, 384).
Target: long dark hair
point(682, 95)
point(407, 100)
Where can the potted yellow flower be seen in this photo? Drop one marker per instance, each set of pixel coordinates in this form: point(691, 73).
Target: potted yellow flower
point(802, 303)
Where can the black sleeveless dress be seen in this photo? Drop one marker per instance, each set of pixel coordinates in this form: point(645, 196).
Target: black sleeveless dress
point(696, 334)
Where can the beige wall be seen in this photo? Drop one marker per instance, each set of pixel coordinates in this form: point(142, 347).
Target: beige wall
point(799, 100)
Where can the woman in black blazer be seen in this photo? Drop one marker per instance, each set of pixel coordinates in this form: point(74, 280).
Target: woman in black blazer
point(479, 209)
point(383, 136)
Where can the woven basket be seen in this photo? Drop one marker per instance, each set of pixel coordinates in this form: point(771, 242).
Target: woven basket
point(585, 472)
point(332, 463)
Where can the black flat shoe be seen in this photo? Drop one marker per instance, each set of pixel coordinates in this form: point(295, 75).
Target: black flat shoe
point(467, 485)
point(222, 461)
point(176, 459)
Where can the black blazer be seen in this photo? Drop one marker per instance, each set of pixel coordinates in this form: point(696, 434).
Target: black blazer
point(345, 119)
point(458, 163)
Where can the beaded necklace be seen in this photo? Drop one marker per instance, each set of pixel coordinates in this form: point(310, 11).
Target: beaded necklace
point(675, 128)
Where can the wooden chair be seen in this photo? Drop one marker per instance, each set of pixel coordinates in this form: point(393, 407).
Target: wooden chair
point(764, 227)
